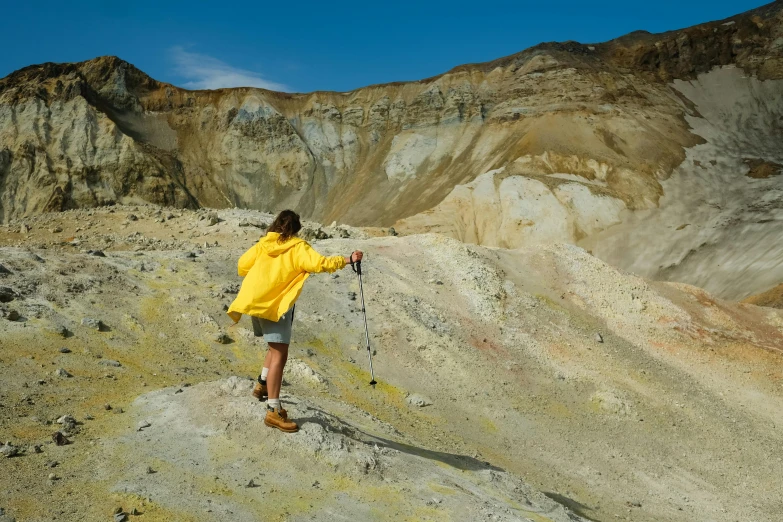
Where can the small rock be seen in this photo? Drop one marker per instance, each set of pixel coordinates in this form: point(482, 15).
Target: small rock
point(118, 510)
point(60, 439)
point(598, 337)
point(250, 484)
point(93, 323)
point(24, 228)
point(120, 517)
point(352, 296)
point(132, 217)
point(57, 329)
point(37, 448)
point(150, 471)
point(418, 400)
point(7, 294)
point(97, 253)
point(392, 232)
point(135, 512)
point(9, 450)
point(60, 372)
point(52, 463)
point(56, 230)
point(201, 359)
point(65, 350)
point(13, 315)
point(67, 422)
point(52, 476)
point(110, 362)
point(222, 338)
point(231, 288)
point(107, 407)
point(213, 218)
point(143, 424)
point(4, 270)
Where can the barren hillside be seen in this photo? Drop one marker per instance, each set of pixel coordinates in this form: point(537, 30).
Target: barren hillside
point(503, 374)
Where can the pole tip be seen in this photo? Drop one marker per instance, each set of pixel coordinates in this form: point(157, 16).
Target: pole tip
point(373, 383)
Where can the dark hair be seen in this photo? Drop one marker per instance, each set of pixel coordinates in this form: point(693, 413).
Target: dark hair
point(286, 224)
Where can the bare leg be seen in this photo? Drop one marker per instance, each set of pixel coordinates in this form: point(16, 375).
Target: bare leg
point(267, 358)
point(276, 357)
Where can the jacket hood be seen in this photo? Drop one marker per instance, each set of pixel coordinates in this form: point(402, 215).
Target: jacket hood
point(273, 248)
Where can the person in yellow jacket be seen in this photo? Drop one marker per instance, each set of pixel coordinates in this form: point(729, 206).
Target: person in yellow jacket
point(274, 272)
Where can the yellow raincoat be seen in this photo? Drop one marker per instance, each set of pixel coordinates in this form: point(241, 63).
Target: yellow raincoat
point(274, 275)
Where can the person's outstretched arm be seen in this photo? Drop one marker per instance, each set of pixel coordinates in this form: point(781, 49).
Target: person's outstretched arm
point(308, 260)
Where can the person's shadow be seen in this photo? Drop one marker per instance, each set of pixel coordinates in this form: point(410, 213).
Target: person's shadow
point(334, 424)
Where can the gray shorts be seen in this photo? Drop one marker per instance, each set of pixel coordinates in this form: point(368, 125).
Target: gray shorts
point(275, 332)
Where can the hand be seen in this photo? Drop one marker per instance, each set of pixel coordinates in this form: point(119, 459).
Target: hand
point(355, 256)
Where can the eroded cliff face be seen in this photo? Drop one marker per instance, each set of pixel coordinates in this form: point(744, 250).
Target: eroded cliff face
point(101, 131)
point(556, 143)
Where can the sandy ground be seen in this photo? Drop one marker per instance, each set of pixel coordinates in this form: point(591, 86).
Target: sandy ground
point(553, 380)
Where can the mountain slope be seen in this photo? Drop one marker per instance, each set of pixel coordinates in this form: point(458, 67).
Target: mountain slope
point(586, 137)
point(672, 414)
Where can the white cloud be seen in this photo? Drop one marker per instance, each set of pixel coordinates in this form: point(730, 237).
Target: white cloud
point(206, 72)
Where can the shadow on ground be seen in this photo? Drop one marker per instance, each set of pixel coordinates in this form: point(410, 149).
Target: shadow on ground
point(334, 424)
point(574, 505)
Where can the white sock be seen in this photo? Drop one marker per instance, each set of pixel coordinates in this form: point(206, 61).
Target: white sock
point(273, 404)
point(264, 373)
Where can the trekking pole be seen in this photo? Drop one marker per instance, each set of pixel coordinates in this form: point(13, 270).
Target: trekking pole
point(357, 267)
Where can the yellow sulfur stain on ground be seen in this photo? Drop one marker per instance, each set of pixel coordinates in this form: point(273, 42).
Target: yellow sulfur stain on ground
point(440, 488)
point(427, 513)
point(488, 425)
point(559, 409)
point(150, 511)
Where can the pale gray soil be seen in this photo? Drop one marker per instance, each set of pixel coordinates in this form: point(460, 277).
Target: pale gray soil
point(674, 416)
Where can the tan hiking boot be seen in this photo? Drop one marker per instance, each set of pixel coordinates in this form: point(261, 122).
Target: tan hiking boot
point(276, 419)
point(260, 392)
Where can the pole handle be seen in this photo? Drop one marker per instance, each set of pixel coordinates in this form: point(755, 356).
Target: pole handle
point(357, 267)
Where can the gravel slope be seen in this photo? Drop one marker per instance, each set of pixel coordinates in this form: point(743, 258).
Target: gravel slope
point(673, 414)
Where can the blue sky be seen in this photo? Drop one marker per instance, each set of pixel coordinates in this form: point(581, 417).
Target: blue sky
point(305, 46)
